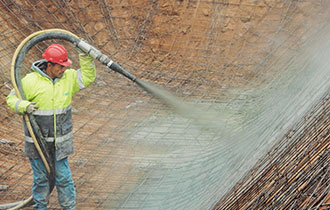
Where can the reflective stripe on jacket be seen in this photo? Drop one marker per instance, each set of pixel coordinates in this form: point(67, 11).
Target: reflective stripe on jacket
point(54, 98)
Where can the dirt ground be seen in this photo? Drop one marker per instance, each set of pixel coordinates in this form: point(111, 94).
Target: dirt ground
point(199, 50)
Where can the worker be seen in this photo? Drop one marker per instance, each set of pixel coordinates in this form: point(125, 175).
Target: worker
point(48, 92)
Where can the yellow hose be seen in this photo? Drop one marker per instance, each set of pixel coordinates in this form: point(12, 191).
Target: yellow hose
point(26, 118)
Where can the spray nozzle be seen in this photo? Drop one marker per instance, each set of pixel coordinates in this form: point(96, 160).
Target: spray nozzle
point(95, 53)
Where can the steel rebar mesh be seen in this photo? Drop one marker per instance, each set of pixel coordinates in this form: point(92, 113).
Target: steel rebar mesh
point(248, 72)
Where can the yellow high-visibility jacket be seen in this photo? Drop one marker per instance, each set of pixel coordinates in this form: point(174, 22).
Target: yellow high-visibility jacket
point(53, 97)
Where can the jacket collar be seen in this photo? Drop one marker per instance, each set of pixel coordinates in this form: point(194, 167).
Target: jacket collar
point(36, 66)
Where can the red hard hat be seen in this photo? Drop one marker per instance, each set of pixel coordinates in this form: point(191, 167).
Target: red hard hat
point(56, 53)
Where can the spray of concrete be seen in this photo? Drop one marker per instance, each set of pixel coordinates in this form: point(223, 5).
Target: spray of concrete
point(167, 98)
point(205, 117)
point(195, 163)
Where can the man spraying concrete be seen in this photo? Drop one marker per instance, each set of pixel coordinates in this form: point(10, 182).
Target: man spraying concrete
point(44, 98)
point(49, 91)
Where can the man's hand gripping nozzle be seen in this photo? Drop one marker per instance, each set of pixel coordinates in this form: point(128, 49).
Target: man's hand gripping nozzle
point(105, 60)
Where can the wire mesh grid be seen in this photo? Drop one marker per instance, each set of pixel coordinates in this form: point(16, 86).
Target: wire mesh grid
point(249, 69)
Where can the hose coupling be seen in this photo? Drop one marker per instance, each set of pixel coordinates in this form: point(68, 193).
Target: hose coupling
point(95, 53)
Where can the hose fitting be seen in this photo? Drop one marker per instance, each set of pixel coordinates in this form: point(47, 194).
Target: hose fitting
point(95, 53)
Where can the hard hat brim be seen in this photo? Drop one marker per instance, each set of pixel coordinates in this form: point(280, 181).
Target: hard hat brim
point(66, 63)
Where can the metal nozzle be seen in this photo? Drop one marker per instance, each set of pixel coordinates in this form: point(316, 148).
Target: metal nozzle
point(95, 53)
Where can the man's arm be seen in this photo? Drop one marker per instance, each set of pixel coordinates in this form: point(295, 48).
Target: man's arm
point(87, 72)
point(17, 105)
point(23, 106)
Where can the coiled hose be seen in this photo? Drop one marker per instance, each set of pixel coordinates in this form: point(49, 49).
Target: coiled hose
point(34, 130)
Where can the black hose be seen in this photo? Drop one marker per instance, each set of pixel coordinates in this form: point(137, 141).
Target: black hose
point(115, 67)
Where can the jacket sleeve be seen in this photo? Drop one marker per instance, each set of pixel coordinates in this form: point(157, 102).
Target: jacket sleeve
point(87, 72)
point(17, 105)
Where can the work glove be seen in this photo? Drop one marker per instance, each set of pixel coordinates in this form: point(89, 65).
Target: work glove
point(83, 54)
point(31, 108)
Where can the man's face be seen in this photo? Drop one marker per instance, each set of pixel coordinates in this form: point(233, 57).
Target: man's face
point(55, 71)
